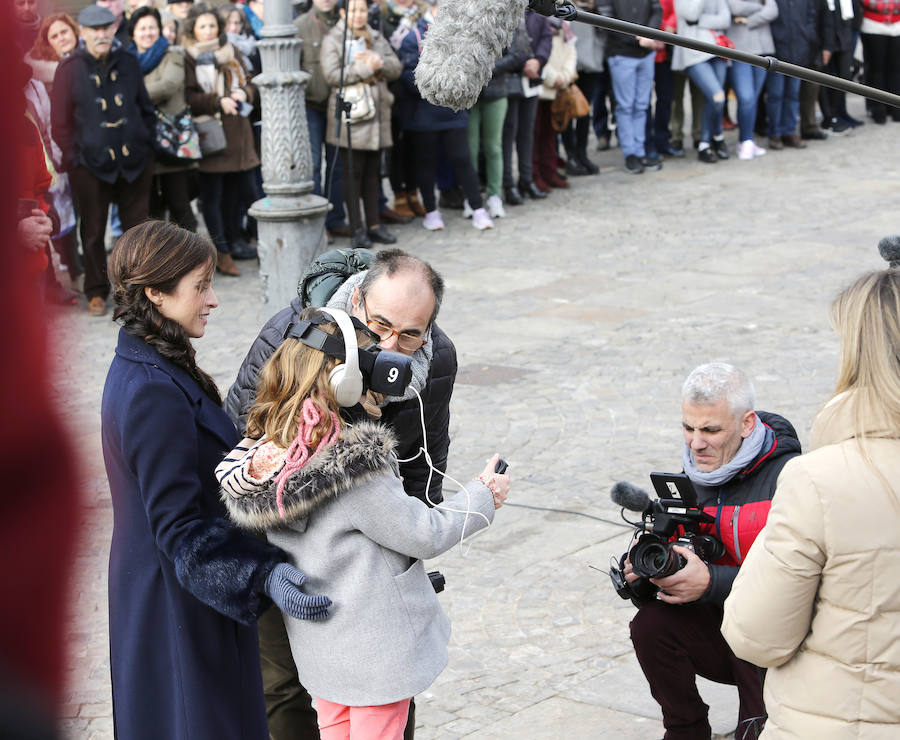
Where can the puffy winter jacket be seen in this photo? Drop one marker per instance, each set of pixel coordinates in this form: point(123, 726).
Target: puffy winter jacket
point(818, 599)
point(741, 505)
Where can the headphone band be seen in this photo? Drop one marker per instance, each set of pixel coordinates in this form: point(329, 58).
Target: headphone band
point(385, 372)
point(306, 331)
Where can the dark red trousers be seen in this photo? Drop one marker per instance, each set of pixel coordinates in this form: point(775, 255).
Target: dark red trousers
point(674, 645)
point(546, 150)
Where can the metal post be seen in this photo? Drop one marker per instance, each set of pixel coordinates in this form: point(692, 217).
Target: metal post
point(291, 220)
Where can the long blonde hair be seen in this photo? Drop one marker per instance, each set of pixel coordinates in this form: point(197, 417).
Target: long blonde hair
point(866, 316)
point(292, 374)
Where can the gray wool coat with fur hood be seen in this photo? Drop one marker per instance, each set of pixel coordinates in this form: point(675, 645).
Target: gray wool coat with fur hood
point(360, 539)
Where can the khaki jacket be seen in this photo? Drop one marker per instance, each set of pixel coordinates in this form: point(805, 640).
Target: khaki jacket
point(165, 86)
point(818, 597)
point(312, 27)
point(375, 133)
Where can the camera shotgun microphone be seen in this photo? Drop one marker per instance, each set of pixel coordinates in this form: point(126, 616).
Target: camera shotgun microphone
point(630, 497)
point(889, 248)
point(462, 44)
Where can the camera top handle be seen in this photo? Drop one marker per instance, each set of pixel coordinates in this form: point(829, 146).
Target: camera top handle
point(666, 522)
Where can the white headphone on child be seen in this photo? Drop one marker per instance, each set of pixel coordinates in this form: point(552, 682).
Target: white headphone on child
point(346, 379)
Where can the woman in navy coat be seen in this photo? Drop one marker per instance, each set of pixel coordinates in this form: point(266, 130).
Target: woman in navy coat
point(185, 587)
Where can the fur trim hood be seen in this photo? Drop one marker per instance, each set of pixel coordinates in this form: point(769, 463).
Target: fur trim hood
point(364, 450)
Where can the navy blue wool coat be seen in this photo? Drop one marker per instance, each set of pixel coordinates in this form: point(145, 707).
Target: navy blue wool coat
point(185, 586)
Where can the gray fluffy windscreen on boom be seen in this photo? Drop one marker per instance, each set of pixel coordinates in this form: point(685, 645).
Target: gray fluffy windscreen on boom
point(889, 247)
point(462, 45)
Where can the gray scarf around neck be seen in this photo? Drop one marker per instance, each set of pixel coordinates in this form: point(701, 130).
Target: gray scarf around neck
point(421, 358)
point(760, 438)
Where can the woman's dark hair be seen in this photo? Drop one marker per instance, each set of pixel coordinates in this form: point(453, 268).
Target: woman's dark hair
point(198, 10)
point(143, 12)
point(225, 11)
point(157, 254)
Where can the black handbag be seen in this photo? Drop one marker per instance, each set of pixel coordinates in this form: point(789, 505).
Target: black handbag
point(176, 136)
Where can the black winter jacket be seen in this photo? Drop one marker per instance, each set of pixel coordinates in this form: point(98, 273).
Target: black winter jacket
point(741, 506)
point(102, 117)
point(402, 417)
point(510, 63)
point(796, 31)
point(644, 12)
point(837, 33)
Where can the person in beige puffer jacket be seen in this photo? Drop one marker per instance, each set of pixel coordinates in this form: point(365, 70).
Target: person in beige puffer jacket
point(817, 600)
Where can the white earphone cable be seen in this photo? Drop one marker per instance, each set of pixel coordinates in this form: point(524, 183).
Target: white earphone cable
point(423, 450)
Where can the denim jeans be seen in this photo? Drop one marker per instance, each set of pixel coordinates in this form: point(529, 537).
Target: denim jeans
point(316, 122)
point(782, 104)
point(632, 79)
point(748, 82)
point(709, 76)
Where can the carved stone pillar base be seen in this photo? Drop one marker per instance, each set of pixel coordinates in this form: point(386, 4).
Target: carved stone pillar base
point(291, 234)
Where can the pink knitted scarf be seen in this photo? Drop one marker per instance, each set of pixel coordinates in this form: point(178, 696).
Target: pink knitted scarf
point(298, 453)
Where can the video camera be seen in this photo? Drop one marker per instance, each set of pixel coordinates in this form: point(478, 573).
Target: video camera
point(653, 556)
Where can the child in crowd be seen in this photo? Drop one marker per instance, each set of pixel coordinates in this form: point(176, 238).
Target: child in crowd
point(328, 492)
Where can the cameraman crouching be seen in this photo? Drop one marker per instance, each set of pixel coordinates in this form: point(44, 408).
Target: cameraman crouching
point(732, 455)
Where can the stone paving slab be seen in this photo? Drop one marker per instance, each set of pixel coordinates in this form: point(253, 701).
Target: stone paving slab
point(576, 320)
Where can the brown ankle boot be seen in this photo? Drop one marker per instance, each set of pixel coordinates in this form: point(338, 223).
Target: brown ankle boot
point(225, 265)
point(415, 205)
point(401, 206)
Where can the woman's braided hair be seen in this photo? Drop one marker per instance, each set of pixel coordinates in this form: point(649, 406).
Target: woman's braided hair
point(157, 254)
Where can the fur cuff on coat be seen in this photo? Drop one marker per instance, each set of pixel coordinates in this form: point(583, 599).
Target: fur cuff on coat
point(227, 569)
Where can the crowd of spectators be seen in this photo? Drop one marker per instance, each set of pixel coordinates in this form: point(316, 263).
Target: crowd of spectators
point(98, 86)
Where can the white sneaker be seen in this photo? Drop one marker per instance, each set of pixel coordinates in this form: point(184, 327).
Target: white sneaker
point(495, 206)
point(481, 220)
point(745, 149)
point(758, 151)
point(467, 209)
point(433, 221)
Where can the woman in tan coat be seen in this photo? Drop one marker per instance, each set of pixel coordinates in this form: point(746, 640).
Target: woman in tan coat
point(817, 600)
point(216, 84)
point(369, 63)
point(163, 68)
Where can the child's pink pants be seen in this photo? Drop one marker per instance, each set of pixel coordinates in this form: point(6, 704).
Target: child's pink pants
point(384, 722)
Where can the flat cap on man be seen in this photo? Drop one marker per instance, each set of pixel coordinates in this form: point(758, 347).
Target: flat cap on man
point(93, 16)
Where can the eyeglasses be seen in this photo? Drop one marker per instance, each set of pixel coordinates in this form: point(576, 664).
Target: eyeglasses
point(406, 342)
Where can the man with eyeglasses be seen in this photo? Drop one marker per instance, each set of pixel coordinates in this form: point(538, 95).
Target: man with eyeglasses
point(398, 297)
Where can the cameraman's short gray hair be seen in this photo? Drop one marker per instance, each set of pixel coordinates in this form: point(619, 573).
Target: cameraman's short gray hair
point(710, 383)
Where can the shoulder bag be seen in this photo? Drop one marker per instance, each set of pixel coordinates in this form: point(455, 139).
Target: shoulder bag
point(212, 135)
point(176, 136)
point(362, 103)
point(569, 103)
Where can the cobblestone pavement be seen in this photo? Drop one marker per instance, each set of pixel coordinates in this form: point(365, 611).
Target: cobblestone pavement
point(576, 320)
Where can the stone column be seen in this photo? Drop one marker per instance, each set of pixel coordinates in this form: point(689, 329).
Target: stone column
point(291, 220)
